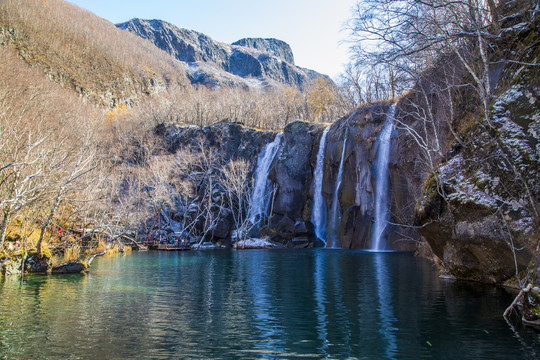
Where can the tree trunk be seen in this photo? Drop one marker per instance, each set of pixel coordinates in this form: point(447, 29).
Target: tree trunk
point(494, 15)
point(3, 227)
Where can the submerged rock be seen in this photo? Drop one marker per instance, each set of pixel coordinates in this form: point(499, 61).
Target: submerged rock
point(531, 308)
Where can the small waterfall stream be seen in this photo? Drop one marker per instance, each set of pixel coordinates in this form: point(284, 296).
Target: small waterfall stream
point(335, 216)
point(261, 194)
point(381, 174)
point(318, 214)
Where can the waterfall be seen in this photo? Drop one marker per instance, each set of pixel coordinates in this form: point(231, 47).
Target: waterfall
point(335, 219)
point(318, 215)
point(382, 213)
point(260, 198)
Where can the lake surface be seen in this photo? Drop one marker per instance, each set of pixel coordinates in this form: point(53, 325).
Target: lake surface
point(258, 304)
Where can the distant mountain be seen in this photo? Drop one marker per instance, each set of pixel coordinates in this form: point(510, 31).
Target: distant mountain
point(247, 62)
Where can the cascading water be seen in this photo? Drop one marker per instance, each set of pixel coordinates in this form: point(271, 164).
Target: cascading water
point(335, 219)
point(382, 213)
point(261, 195)
point(318, 214)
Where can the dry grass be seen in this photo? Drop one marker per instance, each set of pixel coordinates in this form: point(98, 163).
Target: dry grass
point(86, 53)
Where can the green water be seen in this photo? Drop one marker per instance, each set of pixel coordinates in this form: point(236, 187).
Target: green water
point(255, 304)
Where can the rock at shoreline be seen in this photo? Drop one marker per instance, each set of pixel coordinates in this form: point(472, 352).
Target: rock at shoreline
point(70, 267)
point(255, 243)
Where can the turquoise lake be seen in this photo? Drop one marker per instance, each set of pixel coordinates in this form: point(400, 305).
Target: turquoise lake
point(258, 304)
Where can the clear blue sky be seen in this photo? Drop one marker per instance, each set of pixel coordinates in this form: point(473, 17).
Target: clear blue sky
point(311, 27)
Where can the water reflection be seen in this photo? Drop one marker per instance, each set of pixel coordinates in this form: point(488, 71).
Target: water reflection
point(385, 308)
point(257, 304)
point(319, 274)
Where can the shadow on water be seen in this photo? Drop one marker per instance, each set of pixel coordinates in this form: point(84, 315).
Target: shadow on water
point(258, 304)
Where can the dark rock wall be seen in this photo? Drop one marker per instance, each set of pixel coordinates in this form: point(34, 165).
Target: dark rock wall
point(483, 222)
point(292, 176)
point(292, 172)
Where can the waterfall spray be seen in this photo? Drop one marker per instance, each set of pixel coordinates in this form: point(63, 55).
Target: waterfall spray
point(382, 213)
point(335, 219)
point(261, 193)
point(318, 214)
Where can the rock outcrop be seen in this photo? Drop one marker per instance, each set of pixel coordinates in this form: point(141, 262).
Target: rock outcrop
point(246, 63)
point(274, 47)
point(479, 212)
point(70, 267)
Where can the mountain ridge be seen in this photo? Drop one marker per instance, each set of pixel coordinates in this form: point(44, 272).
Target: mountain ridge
point(251, 62)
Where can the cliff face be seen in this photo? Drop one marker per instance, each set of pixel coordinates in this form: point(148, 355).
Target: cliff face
point(291, 174)
point(479, 218)
point(482, 222)
point(277, 48)
point(246, 63)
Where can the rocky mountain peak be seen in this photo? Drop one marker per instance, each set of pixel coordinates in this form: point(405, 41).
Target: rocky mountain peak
point(274, 47)
point(249, 62)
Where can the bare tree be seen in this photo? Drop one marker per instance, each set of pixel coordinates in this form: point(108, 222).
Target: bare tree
point(238, 189)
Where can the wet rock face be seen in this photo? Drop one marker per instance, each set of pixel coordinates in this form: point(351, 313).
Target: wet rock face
point(356, 194)
point(292, 172)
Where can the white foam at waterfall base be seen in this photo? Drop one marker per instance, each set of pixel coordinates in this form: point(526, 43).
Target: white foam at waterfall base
point(260, 198)
point(382, 213)
point(335, 216)
point(318, 214)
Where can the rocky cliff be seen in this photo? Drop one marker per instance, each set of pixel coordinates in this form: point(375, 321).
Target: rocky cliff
point(278, 48)
point(480, 213)
point(291, 174)
point(247, 62)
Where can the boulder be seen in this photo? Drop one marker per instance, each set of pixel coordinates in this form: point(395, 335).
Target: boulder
point(285, 226)
point(70, 267)
point(37, 264)
point(300, 242)
point(303, 228)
